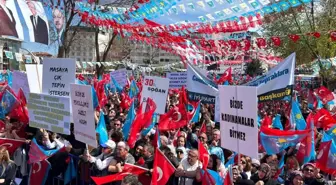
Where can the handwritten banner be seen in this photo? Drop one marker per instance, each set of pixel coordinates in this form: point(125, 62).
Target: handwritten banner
point(49, 112)
point(177, 79)
point(58, 74)
point(83, 114)
point(120, 76)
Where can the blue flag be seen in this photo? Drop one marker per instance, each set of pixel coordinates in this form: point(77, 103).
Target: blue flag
point(45, 151)
point(128, 122)
point(118, 88)
point(134, 90)
point(311, 156)
point(101, 129)
point(298, 119)
point(7, 102)
point(277, 122)
point(70, 172)
point(151, 126)
point(226, 83)
point(196, 115)
point(94, 98)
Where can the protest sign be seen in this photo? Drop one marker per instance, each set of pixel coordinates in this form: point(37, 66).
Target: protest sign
point(238, 119)
point(83, 114)
point(58, 74)
point(49, 112)
point(155, 88)
point(20, 80)
point(278, 82)
point(177, 79)
point(217, 108)
point(200, 87)
point(120, 76)
point(34, 75)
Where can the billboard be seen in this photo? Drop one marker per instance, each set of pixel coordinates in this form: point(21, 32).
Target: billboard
point(31, 21)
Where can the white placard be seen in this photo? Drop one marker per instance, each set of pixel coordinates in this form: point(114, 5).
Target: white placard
point(20, 80)
point(155, 88)
point(238, 119)
point(177, 79)
point(58, 74)
point(278, 82)
point(200, 87)
point(34, 75)
point(120, 76)
point(49, 112)
point(83, 114)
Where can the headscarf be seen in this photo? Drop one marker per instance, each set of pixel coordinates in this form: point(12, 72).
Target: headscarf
point(266, 169)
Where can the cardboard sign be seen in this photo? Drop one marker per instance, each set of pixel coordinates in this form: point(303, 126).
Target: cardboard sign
point(83, 114)
point(155, 88)
point(58, 74)
point(238, 119)
point(20, 80)
point(34, 75)
point(177, 79)
point(49, 112)
point(120, 76)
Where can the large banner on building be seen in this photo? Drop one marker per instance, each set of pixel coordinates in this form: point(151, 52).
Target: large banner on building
point(32, 21)
point(278, 82)
point(200, 87)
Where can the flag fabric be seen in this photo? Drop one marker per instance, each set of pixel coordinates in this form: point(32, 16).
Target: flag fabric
point(101, 129)
point(70, 172)
point(323, 119)
point(281, 166)
point(128, 122)
point(128, 169)
point(134, 90)
point(196, 115)
point(312, 100)
point(11, 144)
point(118, 88)
point(226, 76)
point(151, 126)
point(142, 120)
point(275, 141)
point(157, 141)
point(38, 154)
point(310, 145)
point(326, 157)
point(94, 98)
point(297, 117)
point(21, 97)
point(324, 94)
point(203, 155)
point(162, 169)
point(277, 122)
point(211, 177)
point(39, 172)
point(8, 102)
point(175, 118)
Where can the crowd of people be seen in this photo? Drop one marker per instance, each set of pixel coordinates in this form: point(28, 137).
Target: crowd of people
point(180, 146)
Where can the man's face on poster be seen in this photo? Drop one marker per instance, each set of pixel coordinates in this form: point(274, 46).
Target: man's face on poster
point(58, 19)
point(31, 7)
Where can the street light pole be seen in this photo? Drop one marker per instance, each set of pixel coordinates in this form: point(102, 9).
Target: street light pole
point(35, 58)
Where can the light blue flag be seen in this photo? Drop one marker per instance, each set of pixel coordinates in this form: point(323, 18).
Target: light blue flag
point(116, 85)
point(101, 129)
point(134, 90)
point(94, 98)
point(319, 103)
point(277, 122)
point(226, 83)
point(298, 119)
point(128, 122)
point(196, 115)
point(151, 126)
point(312, 154)
point(70, 172)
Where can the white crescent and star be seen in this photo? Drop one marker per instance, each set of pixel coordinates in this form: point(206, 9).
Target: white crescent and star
point(179, 116)
point(39, 167)
point(159, 171)
point(9, 145)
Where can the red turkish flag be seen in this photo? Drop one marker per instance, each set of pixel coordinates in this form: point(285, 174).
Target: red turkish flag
point(226, 76)
point(128, 169)
point(162, 169)
point(203, 155)
point(324, 94)
point(175, 118)
point(276, 41)
point(323, 155)
point(38, 172)
point(10, 144)
point(261, 42)
point(323, 119)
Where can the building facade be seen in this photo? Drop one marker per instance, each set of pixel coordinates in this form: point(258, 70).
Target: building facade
point(9, 48)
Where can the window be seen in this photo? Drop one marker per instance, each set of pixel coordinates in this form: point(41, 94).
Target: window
point(78, 59)
point(77, 54)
